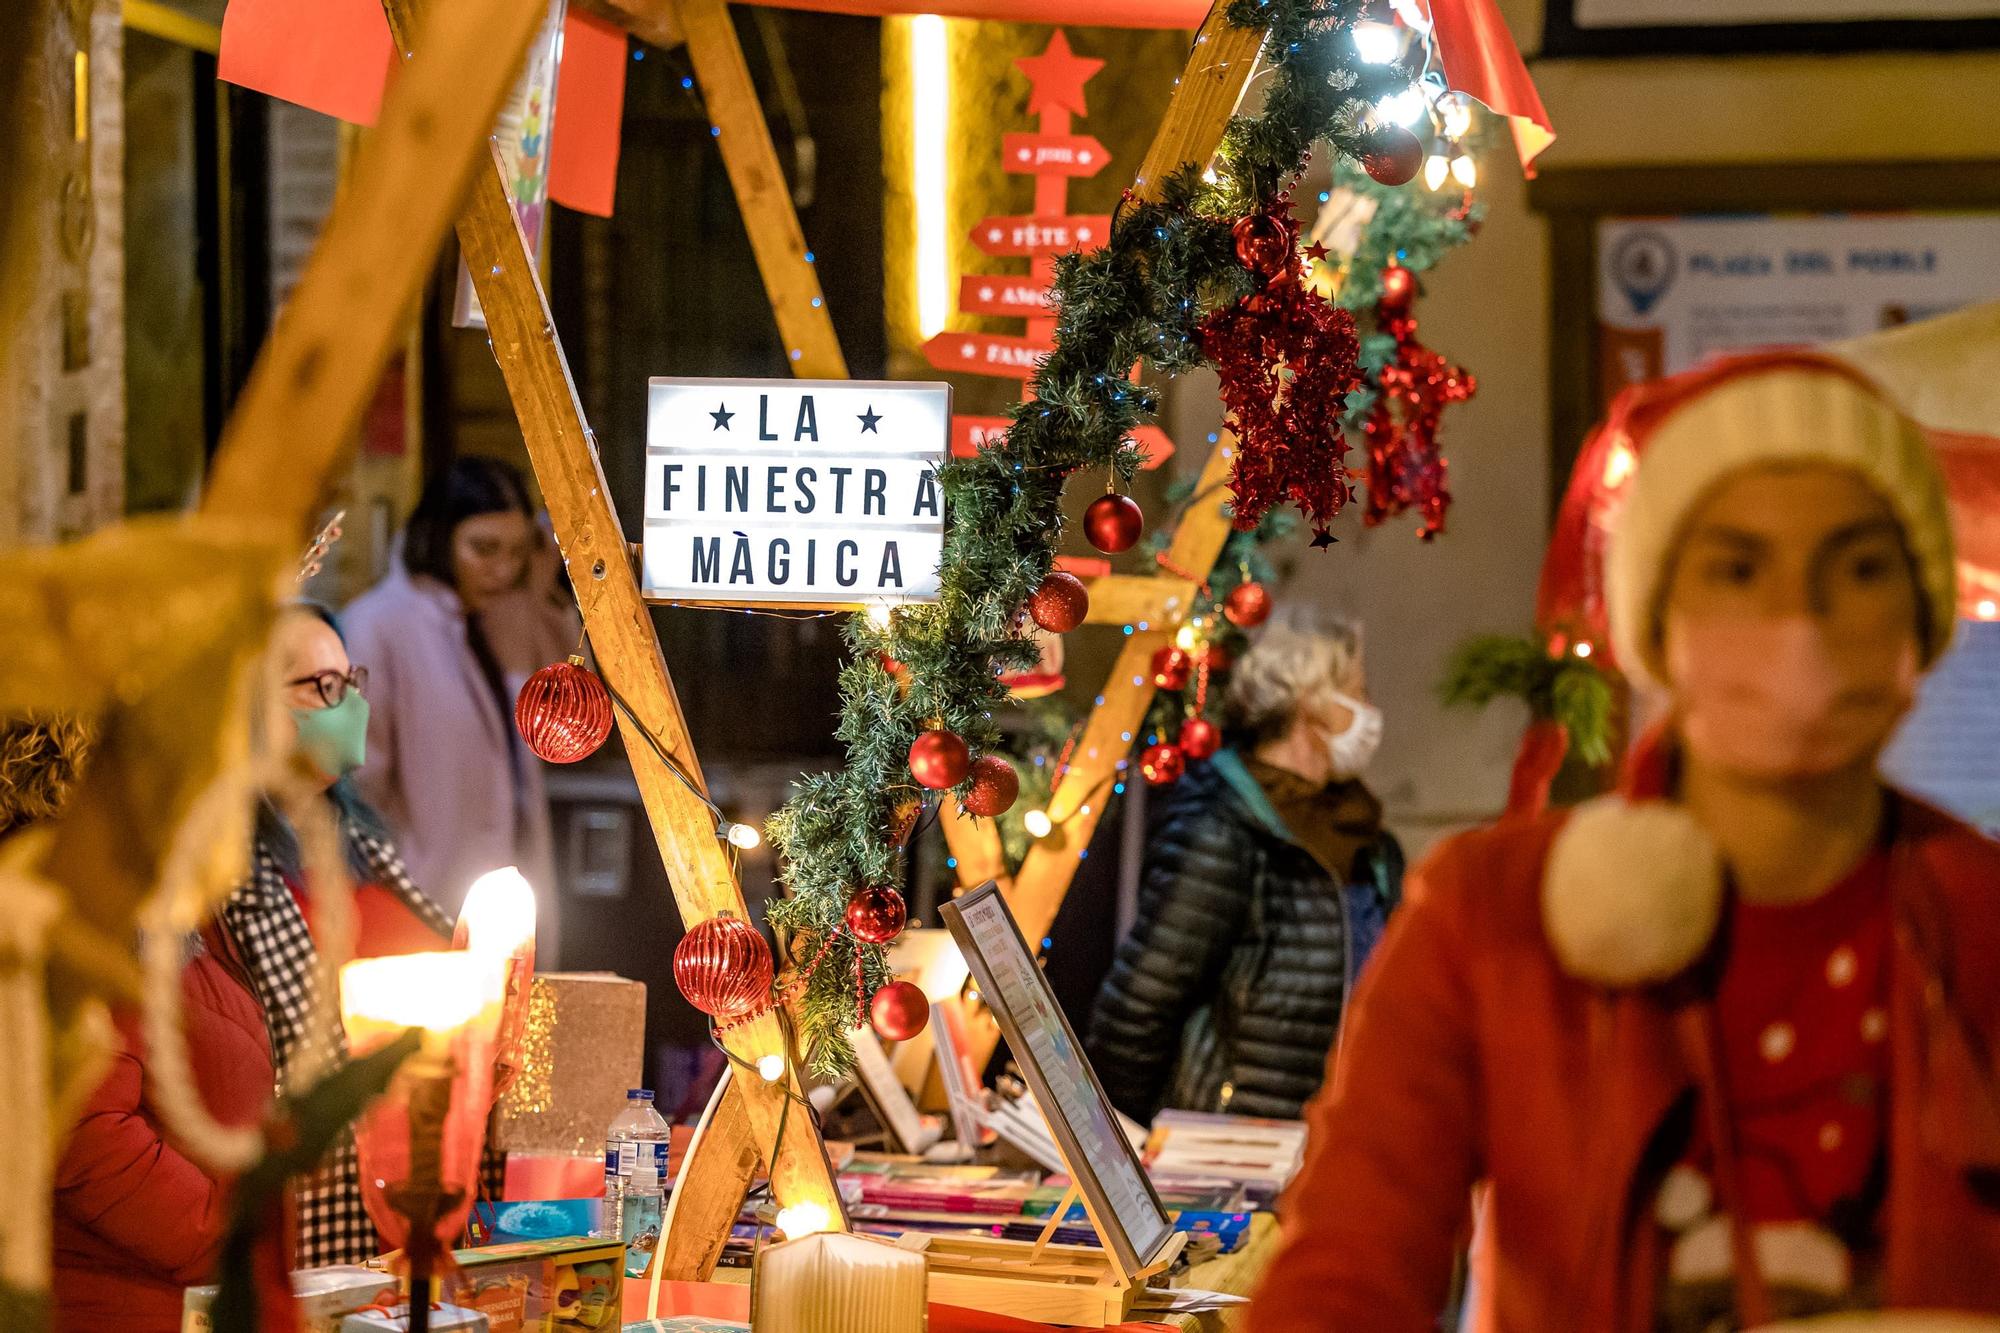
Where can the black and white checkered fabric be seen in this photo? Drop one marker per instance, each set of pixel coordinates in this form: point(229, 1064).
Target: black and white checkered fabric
point(270, 932)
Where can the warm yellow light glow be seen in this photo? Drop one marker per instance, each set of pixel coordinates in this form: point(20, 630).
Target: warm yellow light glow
point(804, 1219)
point(435, 991)
point(744, 836)
point(881, 615)
point(499, 913)
point(771, 1066)
point(1038, 823)
point(1618, 465)
point(1184, 638)
point(930, 106)
point(1436, 169)
point(1583, 649)
point(1457, 111)
point(1464, 170)
point(1405, 108)
point(1988, 609)
point(1377, 43)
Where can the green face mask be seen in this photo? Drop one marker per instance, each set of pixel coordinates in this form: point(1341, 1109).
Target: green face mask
point(334, 740)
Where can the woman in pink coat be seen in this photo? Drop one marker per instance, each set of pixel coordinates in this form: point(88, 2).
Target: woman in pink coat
point(449, 635)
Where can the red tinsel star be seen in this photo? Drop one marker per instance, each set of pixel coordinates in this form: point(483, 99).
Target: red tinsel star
point(1286, 358)
point(1058, 76)
point(1405, 468)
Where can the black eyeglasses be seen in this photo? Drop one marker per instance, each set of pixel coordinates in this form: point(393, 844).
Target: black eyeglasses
point(333, 686)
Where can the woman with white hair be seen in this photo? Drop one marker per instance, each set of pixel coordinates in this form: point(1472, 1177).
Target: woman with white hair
point(1268, 878)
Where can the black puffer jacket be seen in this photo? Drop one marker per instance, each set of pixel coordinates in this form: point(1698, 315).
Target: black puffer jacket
point(1228, 992)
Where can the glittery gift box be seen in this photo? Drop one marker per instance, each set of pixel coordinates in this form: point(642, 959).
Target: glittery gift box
point(584, 1047)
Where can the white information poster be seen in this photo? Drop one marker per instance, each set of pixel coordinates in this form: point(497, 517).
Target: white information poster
point(1672, 292)
point(794, 492)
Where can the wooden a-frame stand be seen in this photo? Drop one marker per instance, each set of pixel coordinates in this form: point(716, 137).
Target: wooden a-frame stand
point(741, 1125)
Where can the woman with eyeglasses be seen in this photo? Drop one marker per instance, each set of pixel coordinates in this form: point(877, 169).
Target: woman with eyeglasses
point(135, 1219)
point(463, 616)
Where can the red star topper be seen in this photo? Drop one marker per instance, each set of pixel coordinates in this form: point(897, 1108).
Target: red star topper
point(1058, 77)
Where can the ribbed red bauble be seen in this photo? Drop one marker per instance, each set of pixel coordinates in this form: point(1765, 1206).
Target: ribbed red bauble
point(939, 759)
point(1392, 155)
point(1060, 603)
point(1172, 668)
point(899, 1011)
point(1247, 605)
point(724, 967)
point(876, 914)
point(1200, 738)
point(1113, 523)
point(1161, 764)
point(995, 784)
point(1264, 243)
point(563, 712)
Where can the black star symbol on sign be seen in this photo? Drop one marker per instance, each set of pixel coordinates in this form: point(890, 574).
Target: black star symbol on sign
point(721, 415)
point(868, 420)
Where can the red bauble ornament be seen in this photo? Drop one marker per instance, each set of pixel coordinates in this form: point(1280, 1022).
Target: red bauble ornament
point(1113, 523)
point(563, 712)
point(1392, 155)
point(939, 759)
point(1060, 603)
point(995, 784)
point(876, 915)
point(1247, 605)
point(1200, 738)
point(1217, 658)
point(1265, 244)
point(899, 1011)
point(1172, 668)
point(1161, 764)
point(1399, 291)
point(724, 967)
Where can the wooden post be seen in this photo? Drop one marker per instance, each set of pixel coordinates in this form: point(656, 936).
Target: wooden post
point(790, 281)
point(563, 453)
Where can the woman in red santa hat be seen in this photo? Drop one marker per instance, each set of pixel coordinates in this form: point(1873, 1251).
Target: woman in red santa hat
point(1722, 1045)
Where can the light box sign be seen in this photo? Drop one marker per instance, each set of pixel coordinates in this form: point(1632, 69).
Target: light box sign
point(794, 492)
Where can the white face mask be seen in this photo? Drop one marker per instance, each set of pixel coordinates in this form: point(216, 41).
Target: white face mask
point(1351, 751)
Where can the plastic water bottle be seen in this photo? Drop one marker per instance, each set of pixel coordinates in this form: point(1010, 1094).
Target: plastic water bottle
point(639, 1133)
point(643, 1205)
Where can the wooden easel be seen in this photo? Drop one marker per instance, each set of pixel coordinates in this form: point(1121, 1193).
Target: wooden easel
point(742, 1121)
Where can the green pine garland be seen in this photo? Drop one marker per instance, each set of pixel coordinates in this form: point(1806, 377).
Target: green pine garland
point(1571, 690)
point(1170, 262)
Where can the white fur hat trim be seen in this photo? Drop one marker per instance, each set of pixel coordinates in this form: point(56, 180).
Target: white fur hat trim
point(1632, 892)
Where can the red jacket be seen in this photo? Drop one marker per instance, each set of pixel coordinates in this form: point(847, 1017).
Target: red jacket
point(135, 1219)
point(1471, 1055)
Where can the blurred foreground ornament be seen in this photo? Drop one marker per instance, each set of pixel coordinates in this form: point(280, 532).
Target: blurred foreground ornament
point(1162, 764)
point(723, 967)
point(1248, 605)
point(1392, 155)
point(1200, 738)
point(563, 712)
point(1172, 668)
point(899, 1011)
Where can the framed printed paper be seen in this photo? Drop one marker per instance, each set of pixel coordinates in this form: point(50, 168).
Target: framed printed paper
point(1128, 1215)
point(805, 493)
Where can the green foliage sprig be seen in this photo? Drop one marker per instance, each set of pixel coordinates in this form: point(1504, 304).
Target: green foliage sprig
point(1141, 299)
point(1569, 689)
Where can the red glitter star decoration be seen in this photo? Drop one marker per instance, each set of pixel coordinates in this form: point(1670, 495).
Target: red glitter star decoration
point(1058, 77)
point(1406, 470)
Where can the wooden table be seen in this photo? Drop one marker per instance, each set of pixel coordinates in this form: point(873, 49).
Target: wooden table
point(1233, 1273)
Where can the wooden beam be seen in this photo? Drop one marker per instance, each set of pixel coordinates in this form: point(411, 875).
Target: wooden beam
point(1161, 600)
point(563, 453)
point(1212, 81)
point(974, 843)
point(790, 280)
point(298, 413)
point(649, 20)
point(699, 1215)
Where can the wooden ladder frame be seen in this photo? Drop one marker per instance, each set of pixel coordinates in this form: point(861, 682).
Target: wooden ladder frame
point(741, 1125)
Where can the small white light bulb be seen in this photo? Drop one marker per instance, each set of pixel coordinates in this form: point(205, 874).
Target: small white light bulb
point(804, 1219)
point(1038, 823)
point(1436, 169)
point(878, 615)
point(1405, 108)
point(1457, 111)
point(1583, 648)
point(771, 1066)
point(744, 836)
point(1184, 638)
point(1464, 170)
point(1988, 609)
point(1377, 42)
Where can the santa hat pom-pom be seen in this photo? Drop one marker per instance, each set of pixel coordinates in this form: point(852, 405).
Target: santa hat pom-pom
point(1632, 893)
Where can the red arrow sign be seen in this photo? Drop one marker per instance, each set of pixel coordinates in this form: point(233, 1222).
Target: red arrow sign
point(1052, 154)
point(1041, 235)
point(1003, 294)
point(970, 434)
point(987, 353)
